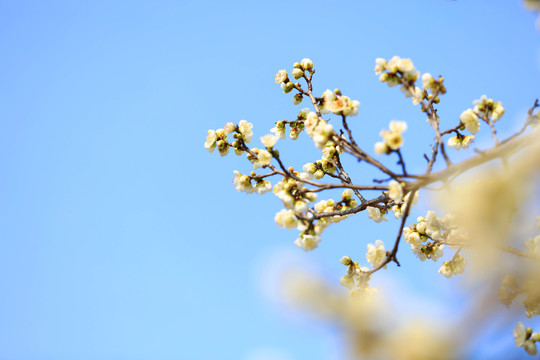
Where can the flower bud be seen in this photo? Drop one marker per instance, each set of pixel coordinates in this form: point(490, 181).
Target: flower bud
point(297, 99)
point(297, 65)
point(345, 260)
point(297, 73)
point(287, 87)
point(307, 64)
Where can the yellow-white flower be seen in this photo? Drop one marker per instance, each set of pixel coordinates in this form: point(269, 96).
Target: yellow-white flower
point(210, 143)
point(286, 219)
point(469, 118)
point(376, 214)
point(381, 148)
point(269, 140)
point(281, 76)
point(376, 254)
point(380, 65)
point(395, 191)
point(307, 64)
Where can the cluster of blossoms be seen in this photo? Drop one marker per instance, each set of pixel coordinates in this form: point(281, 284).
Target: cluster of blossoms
point(218, 138)
point(243, 183)
point(392, 138)
point(398, 208)
point(453, 267)
point(526, 338)
point(311, 231)
point(510, 289)
point(293, 193)
point(485, 109)
point(299, 71)
point(358, 276)
point(430, 233)
point(335, 102)
point(318, 129)
point(399, 71)
point(326, 165)
point(296, 126)
point(376, 254)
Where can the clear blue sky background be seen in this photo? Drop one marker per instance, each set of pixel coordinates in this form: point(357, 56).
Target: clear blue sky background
point(122, 238)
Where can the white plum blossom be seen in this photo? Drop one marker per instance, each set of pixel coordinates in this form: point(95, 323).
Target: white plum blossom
point(453, 267)
point(308, 242)
point(459, 142)
point(245, 129)
point(243, 183)
point(269, 140)
point(380, 65)
point(286, 219)
point(210, 143)
point(392, 138)
point(470, 119)
point(376, 214)
point(522, 339)
point(395, 191)
point(376, 254)
point(281, 76)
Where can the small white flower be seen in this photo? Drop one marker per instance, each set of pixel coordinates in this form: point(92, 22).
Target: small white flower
point(281, 76)
point(405, 65)
point(308, 242)
point(376, 214)
point(469, 118)
point(380, 65)
point(376, 254)
point(428, 82)
point(395, 191)
point(397, 126)
point(210, 143)
point(269, 140)
point(286, 219)
point(245, 129)
point(418, 96)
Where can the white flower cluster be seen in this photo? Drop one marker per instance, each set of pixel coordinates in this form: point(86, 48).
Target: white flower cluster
point(395, 191)
point(432, 228)
point(324, 206)
point(402, 72)
point(218, 138)
point(318, 129)
point(294, 194)
point(398, 209)
point(526, 338)
point(392, 138)
point(298, 71)
point(296, 126)
point(286, 219)
point(485, 108)
point(358, 276)
point(326, 164)
point(261, 158)
point(453, 267)
point(376, 254)
point(333, 101)
point(243, 183)
point(460, 142)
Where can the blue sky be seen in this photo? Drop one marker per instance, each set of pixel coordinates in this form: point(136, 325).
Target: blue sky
point(122, 238)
